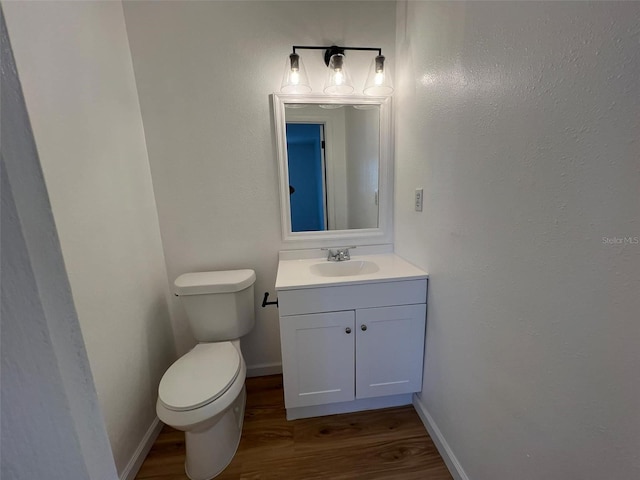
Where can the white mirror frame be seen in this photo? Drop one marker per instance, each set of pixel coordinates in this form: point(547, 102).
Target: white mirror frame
point(382, 234)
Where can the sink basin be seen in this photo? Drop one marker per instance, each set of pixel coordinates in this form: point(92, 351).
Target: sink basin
point(347, 268)
point(306, 269)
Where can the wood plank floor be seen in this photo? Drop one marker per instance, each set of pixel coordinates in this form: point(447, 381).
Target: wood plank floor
point(381, 444)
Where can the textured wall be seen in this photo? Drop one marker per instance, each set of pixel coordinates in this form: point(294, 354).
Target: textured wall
point(521, 121)
point(77, 76)
point(51, 424)
point(204, 72)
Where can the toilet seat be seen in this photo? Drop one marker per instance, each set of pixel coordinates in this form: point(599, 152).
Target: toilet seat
point(199, 377)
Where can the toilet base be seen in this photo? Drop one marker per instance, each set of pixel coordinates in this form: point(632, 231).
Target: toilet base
point(211, 450)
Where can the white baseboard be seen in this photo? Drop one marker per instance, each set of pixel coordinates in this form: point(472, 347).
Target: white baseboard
point(264, 369)
point(131, 470)
point(441, 444)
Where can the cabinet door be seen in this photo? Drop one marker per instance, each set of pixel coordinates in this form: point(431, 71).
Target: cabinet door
point(318, 358)
point(389, 350)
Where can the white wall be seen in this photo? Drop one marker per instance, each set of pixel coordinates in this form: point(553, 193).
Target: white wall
point(51, 423)
point(204, 72)
point(520, 120)
point(363, 165)
point(76, 71)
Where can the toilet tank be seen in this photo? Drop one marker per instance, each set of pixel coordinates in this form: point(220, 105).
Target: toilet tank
point(219, 305)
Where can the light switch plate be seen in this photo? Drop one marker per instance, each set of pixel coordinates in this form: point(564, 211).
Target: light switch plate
point(418, 199)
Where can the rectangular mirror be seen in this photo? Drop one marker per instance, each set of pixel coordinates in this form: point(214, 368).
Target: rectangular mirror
point(334, 164)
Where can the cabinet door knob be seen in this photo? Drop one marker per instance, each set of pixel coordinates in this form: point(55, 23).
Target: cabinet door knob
point(348, 330)
point(363, 328)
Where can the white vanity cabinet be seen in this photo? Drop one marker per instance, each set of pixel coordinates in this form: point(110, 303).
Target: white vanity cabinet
point(318, 357)
point(389, 350)
point(352, 347)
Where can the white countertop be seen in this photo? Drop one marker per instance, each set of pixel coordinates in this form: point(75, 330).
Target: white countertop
point(296, 273)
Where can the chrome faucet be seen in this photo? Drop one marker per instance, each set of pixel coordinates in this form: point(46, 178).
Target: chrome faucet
point(339, 254)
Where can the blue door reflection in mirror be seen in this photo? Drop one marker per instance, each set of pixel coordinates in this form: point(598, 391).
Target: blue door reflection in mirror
point(307, 193)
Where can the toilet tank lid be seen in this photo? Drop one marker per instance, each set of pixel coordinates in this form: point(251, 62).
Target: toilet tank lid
point(200, 283)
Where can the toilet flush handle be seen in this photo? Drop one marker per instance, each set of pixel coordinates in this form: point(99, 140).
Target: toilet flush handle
point(265, 303)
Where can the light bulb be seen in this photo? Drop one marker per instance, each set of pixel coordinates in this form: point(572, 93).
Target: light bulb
point(338, 80)
point(295, 78)
point(378, 81)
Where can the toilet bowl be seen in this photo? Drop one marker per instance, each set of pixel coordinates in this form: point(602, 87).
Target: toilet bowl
point(211, 417)
point(203, 392)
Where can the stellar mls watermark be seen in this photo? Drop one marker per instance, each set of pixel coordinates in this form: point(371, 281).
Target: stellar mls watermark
point(621, 240)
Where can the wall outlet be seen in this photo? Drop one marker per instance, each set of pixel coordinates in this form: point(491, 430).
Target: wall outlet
point(418, 199)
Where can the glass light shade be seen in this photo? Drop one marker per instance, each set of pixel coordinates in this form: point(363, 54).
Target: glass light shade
point(378, 81)
point(338, 81)
point(295, 78)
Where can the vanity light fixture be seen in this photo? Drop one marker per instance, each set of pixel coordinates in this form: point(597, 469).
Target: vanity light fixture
point(378, 81)
point(295, 78)
point(338, 80)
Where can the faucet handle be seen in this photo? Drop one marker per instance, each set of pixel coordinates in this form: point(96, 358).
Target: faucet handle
point(338, 248)
point(339, 254)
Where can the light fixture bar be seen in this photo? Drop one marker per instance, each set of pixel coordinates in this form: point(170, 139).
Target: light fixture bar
point(316, 47)
point(333, 49)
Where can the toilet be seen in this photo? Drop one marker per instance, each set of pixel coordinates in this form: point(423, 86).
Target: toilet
point(203, 392)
